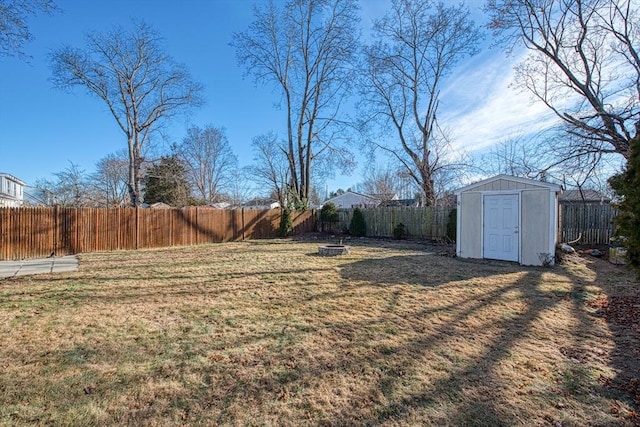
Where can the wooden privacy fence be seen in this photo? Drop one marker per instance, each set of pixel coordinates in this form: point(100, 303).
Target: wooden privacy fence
point(592, 222)
point(38, 232)
point(423, 222)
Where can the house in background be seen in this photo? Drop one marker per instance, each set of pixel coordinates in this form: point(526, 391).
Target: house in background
point(261, 204)
point(220, 205)
point(11, 191)
point(400, 203)
point(159, 205)
point(351, 199)
point(584, 196)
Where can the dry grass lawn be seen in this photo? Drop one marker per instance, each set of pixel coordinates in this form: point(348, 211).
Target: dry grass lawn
point(269, 333)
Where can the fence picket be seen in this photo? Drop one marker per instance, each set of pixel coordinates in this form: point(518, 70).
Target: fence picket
point(38, 232)
point(423, 222)
point(586, 223)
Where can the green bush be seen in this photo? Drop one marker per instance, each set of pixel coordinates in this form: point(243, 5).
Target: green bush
point(357, 227)
point(286, 224)
point(451, 224)
point(328, 215)
point(399, 232)
point(627, 186)
point(329, 212)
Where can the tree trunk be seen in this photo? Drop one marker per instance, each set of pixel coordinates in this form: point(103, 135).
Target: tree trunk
point(131, 182)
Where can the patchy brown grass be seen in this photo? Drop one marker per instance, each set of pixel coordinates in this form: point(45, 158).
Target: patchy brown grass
point(269, 333)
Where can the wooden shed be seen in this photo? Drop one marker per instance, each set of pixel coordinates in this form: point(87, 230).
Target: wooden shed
point(508, 218)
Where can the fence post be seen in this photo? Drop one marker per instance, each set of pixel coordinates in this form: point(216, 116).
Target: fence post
point(137, 227)
point(243, 236)
point(76, 216)
point(197, 228)
point(56, 228)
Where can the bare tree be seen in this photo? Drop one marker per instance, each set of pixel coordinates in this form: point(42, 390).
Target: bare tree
point(70, 188)
point(270, 167)
point(543, 157)
point(583, 64)
point(14, 31)
point(73, 187)
point(140, 83)
point(517, 156)
point(306, 49)
point(417, 43)
point(109, 182)
point(239, 189)
point(44, 192)
point(384, 183)
point(209, 160)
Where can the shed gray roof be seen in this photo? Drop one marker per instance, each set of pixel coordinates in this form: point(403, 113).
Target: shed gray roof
point(541, 184)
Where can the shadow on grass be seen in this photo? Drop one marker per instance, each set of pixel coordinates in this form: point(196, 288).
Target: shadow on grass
point(618, 303)
point(466, 376)
point(351, 352)
point(113, 288)
point(489, 407)
point(387, 368)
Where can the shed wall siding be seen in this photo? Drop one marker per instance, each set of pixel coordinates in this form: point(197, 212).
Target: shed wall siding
point(535, 226)
point(471, 226)
point(504, 185)
point(538, 216)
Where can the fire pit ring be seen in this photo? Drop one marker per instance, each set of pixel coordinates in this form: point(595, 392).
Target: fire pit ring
point(333, 250)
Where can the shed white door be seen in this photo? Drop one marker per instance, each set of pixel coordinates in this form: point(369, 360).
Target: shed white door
point(500, 229)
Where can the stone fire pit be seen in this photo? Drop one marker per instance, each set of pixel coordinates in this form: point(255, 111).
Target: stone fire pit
point(333, 250)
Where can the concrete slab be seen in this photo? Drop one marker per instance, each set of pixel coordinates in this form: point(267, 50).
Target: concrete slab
point(67, 263)
point(9, 268)
point(38, 266)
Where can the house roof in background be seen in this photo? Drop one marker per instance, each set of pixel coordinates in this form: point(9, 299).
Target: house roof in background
point(349, 192)
point(220, 205)
point(159, 205)
point(399, 202)
point(259, 201)
point(583, 196)
point(13, 178)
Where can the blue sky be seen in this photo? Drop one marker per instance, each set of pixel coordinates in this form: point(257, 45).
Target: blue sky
point(43, 129)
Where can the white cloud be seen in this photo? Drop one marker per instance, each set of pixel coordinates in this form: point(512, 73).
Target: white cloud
point(478, 104)
point(481, 108)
